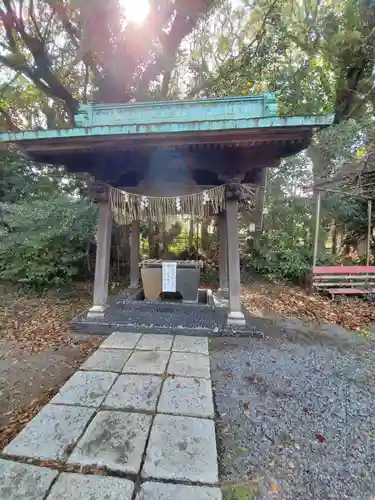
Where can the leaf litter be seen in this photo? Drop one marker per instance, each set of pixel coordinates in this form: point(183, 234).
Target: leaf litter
point(33, 325)
point(353, 313)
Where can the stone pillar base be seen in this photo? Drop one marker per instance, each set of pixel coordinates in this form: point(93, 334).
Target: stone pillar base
point(236, 318)
point(97, 311)
point(134, 254)
point(134, 286)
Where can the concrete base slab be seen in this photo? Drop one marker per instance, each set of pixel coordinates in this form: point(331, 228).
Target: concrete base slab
point(51, 434)
point(187, 396)
point(189, 365)
point(149, 362)
point(120, 340)
point(134, 392)
point(198, 345)
point(85, 389)
point(97, 311)
point(115, 440)
point(107, 360)
point(23, 481)
point(155, 342)
point(163, 491)
point(220, 300)
point(70, 486)
point(236, 318)
point(182, 448)
point(158, 317)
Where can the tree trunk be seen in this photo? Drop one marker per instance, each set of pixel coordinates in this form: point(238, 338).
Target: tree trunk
point(191, 235)
point(153, 244)
point(204, 235)
point(334, 237)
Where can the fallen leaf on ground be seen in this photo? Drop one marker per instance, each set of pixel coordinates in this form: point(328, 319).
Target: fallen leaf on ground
point(275, 488)
point(320, 438)
point(353, 313)
point(41, 323)
point(246, 410)
point(33, 325)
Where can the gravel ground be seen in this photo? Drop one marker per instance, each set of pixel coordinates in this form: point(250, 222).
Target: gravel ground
point(296, 419)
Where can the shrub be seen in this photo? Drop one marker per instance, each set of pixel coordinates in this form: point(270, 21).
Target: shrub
point(45, 242)
point(278, 256)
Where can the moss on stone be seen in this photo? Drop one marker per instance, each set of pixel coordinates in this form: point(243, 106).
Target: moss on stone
point(240, 492)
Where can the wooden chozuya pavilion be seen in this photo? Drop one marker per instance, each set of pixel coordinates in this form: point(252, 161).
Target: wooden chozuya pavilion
point(153, 159)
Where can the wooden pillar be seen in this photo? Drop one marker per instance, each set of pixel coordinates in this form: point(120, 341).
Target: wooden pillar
point(369, 214)
point(317, 224)
point(134, 254)
point(223, 252)
point(103, 251)
point(235, 314)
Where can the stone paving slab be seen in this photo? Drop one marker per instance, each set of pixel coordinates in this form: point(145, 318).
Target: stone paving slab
point(80, 487)
point(182, 448)
point(134, 392)
point(150, 342)
point(115, 440)
point(188, 364)
point(198, 345)
point(187, 396)
point(163, 491)
point(52, 433)
point(120, 340)
point(24, 481)
point(107, 360)
point(85, 389)
point(149, 362)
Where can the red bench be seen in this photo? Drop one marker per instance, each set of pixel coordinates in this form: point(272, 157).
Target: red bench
point(344, 280)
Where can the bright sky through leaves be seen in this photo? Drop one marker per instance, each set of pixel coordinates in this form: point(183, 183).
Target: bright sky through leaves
point(136, 10)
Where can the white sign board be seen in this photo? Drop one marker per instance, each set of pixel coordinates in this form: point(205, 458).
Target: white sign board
point(169, 276)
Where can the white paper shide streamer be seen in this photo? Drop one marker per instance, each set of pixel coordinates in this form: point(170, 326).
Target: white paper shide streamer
point(127, 207)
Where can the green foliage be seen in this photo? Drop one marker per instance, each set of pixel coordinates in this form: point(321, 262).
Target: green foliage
point(318, 55)
point(285, 250)
point(241, 492)
point(278, 256)
point(21, 179)
point(44, 234)
point(57, 53)
point(46, 242)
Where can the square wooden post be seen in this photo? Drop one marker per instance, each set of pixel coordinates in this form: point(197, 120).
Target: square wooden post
point(103, 251)
point(235, 314)
point(223, 252)
point(134, 254)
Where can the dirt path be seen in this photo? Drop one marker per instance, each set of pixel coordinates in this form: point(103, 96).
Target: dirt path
point(25, 377)
point(37, 352)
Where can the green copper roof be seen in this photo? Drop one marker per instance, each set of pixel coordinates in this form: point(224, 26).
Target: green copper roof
point(187, 122)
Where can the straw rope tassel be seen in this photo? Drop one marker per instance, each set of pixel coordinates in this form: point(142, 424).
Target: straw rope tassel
point(127, 206)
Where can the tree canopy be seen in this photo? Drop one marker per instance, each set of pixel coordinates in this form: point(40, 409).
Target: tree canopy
point(54, 53)
point(69, 50)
